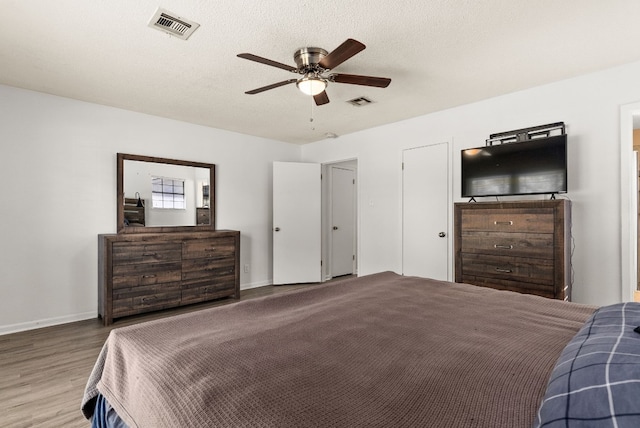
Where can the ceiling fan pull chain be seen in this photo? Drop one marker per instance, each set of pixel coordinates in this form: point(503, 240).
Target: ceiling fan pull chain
point(311, 118)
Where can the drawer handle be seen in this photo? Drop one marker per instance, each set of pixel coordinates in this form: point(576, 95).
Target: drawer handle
point(149, 299)
point(148, 276)
point(503, 223)
point(210, 249)
point(503, 247)
point(149, 254)
point(503, 270)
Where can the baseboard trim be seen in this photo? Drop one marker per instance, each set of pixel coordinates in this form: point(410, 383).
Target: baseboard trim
point(255, 284)
point(47, 322)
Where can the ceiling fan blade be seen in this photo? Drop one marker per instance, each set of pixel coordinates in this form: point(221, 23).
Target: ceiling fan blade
point(354, 79)
point(346, 50)
point(272, 86)
point(321, 98)
point(266, 61)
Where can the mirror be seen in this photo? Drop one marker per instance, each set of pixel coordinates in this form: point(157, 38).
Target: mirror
point(164, 195)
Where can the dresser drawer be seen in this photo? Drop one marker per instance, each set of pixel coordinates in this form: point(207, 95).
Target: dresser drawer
point(207, 268)
point(508, 220)
point(535, 245)
point(543, 290)
point(200, 291)
point(128, 253)
point(211, 248)
point(539, 271)
point(133, 275)
point(135, 300)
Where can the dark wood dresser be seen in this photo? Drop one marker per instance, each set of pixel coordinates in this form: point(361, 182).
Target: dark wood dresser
point(518, 246)
point(152, 271)
point(202, 216)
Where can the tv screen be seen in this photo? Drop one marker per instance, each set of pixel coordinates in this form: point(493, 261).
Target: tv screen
point(537, 166)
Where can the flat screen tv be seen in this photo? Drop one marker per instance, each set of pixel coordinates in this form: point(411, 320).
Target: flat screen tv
point(532, 167)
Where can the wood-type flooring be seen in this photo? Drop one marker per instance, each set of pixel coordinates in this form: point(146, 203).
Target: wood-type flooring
point(43, 372)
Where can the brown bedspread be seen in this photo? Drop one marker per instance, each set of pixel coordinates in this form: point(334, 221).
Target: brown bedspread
point(376, 351)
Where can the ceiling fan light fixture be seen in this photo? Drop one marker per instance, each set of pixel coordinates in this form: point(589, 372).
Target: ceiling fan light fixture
point(311, 84)
point(314, 65)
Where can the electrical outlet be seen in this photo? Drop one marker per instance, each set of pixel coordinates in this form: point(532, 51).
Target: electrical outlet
point(246, 268)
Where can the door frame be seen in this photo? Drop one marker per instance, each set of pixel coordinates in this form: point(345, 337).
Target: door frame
point(628, 204)
point(327, 243)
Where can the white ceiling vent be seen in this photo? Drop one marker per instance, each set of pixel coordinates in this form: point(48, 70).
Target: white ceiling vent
point(173, 24)
point(360, 101)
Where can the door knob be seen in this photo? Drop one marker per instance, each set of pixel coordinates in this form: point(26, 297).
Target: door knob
point(442, 234)
point(335, 227)
point(277, 229)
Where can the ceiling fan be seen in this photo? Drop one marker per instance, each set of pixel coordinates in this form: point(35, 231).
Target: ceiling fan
point(314, 65)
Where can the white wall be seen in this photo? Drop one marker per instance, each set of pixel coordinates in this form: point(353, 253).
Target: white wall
point(589, 106)
point(58, 175)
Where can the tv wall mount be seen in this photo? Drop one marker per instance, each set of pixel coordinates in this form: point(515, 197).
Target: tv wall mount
point(526, 134)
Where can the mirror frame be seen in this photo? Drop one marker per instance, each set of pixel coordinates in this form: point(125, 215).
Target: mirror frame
point(121, 157)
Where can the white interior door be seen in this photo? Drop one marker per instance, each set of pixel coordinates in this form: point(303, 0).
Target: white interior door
point(296, 223)
point(425, 212)
point(343, 221)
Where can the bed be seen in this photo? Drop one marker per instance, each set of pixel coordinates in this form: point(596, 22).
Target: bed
point(379, 351)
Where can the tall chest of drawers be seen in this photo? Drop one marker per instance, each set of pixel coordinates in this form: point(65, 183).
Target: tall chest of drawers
point(519, 246)
point(152, 271)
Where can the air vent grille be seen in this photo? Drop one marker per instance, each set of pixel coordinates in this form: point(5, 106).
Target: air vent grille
point(360, 101)
point(173, 24)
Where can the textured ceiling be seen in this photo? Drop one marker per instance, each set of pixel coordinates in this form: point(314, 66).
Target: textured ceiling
point(438, 53)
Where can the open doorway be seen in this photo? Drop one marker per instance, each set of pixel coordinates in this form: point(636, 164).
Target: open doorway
point(629, 197)
point(339, 214)
point(314, 220)
point(636, 185)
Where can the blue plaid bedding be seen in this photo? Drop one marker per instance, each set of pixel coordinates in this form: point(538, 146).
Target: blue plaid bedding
point(596, 380)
